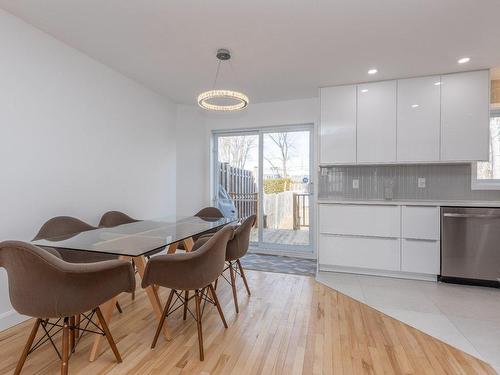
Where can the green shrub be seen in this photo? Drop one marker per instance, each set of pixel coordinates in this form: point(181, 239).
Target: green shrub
point(276, 185)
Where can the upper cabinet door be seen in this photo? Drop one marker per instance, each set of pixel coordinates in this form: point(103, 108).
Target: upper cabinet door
point(338, 125)
point(418, 119)
point(376, 138)
point(465, 116)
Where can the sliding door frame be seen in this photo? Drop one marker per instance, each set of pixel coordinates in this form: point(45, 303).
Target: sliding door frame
point(304, 251)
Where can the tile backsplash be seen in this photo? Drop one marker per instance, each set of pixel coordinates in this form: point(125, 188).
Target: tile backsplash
point(401, 182)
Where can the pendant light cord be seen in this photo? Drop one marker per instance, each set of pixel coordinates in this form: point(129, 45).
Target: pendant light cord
point(216, 75)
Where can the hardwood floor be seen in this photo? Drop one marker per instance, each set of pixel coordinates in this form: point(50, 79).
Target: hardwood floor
point(290, 325)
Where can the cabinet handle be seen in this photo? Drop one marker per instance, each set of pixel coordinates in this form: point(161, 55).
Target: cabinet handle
point(359, 236)
point(472, 216)
point(420, 240)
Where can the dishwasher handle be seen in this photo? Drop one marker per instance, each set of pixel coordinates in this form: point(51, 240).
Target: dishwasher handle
point(472, 216)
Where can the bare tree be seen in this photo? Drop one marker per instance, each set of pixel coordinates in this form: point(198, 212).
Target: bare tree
point(285, 145)
point(491, 168)
point(235, 149)
point(495, 147)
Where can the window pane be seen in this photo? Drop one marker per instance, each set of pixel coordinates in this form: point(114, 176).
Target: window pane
point(491, 170)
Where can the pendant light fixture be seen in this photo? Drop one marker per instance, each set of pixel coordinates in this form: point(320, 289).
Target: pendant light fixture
point(222, 99)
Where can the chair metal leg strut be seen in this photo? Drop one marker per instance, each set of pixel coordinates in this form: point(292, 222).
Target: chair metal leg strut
point(235, 268)
point(72, 332)
point(182, 300)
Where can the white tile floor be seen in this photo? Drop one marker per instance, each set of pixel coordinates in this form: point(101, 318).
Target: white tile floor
point(466, 317)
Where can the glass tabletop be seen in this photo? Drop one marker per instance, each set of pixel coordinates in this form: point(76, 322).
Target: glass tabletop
point(139, 238)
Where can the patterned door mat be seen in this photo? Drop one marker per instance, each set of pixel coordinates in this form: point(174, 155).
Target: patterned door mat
point(279, 264)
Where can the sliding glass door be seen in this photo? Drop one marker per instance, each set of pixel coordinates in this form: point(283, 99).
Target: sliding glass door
point(236, 180)
point(267, 172)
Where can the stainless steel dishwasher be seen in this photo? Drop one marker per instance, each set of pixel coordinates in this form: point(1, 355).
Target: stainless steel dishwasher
point(470, 245)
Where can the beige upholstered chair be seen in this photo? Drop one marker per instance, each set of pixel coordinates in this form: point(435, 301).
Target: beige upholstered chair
point(209, 212)
point(114, 218)
point(194, 271)
point(43, 286)
point(67, 227)
point(237, 247)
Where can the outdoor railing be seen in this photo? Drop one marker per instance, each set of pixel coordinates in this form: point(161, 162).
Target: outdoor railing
point(300, 210)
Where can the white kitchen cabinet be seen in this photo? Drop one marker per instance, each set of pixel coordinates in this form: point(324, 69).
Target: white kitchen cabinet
point(338, 125)
point(376, 122)
point(361, 220)
point(465, 116)
point(360, 252)
point(418, 256)
point(418, 119)
point(381, 239)
point(420, 222)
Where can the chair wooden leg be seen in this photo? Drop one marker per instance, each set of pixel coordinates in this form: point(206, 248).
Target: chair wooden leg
point(198, 323)
point(243, 277)
point(27, 347)
point(118, 307)
point(233, 286)
point(72, 323)
point(135, 271)
point(65, 348)
point(186, 298)
point(217, 304)
point(162, 319)
point(215, 284)
point(105, 328)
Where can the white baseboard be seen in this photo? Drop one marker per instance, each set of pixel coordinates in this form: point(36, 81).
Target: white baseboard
point(11, 318)
point(365, 271)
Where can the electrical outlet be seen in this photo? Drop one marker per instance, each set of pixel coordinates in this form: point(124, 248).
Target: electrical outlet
point(355, 183)
point(421, 182)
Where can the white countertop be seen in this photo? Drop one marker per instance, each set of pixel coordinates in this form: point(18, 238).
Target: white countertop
point(413, 202)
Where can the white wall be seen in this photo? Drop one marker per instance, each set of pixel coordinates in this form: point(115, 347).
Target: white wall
point(192, 153)
point(194, 129)
point(76, 138)
point(290, 112)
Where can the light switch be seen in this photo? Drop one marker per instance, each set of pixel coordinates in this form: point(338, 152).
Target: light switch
point(421, 182)
point(355, 183)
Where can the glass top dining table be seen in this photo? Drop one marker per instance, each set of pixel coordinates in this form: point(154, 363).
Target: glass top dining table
point(135, 241)
point(140, 238)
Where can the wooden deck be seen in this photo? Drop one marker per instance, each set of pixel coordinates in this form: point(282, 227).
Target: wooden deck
point(290, 325)
point(283, 236)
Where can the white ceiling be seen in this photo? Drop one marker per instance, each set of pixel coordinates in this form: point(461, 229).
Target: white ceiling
point(282, 49)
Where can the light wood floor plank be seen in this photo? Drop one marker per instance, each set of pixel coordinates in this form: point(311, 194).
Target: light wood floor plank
point(290, 325)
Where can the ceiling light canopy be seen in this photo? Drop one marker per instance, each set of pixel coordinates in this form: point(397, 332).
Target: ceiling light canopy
point(222, 99)
point(464, 60)
point(373, 71)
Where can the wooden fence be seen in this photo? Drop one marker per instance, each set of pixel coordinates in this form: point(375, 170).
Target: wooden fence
point(300, 210)
point(242, 188)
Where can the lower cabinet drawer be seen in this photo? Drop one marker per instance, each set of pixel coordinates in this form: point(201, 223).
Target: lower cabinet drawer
point(363, 252)
point(420, 256)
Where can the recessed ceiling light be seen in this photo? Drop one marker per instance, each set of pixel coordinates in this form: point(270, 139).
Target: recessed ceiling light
point(437, 83)
point(464, 60)
point(364, 90)
point(415, 106)
point(373, 71)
